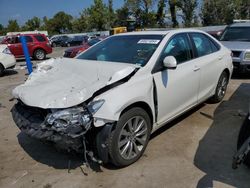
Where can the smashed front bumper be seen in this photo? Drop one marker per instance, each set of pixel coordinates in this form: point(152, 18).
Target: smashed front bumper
point(33, 122)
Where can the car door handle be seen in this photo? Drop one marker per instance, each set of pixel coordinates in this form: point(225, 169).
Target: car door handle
point(196, 69)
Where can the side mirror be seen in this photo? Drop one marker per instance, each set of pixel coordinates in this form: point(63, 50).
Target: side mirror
point(170, 62)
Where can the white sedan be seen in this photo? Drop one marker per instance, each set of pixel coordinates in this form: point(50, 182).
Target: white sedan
point(109, 99)
point(7, 60)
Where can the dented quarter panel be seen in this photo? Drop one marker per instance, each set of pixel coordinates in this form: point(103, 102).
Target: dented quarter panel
point(138, 89)
point(63, 83)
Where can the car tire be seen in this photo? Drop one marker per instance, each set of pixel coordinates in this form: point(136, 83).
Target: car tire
point(1, 70)
point(54, 45)
point(243, 135)
point(39, 54)
point(221, 88)
point(130, 137)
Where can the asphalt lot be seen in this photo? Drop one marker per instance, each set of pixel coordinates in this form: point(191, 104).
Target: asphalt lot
point(193, 151)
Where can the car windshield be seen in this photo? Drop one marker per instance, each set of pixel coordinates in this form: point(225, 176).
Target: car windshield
point(134, 49)
point(236, 34)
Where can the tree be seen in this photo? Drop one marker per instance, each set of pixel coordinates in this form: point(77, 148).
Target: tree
point(2, 30)
point(98, 15)
point(13, 26)
point(218, 12)
point(60, 23)
point(111, 14)
point(141, 10)
point(122, 15)
point(33, 24)
point(172, 7)
point(160, 16)
point(242, 9)
point(188, 10)
point(81, 24)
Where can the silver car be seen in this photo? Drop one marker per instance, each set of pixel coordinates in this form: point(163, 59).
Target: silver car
point(236, 37)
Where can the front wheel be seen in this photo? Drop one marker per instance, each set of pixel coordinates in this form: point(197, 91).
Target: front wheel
point(221, 88)
point(1, 70)
point(130, 137)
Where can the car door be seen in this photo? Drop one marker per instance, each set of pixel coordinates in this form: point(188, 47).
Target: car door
point(16, 47)
point(210, 62)
point(177, 89)
point(30, 44)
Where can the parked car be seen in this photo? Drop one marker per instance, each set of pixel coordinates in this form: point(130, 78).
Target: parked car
point(106, 102)
point(57, 40)
point(72, 52)
point(74, 41)
point(7, 59)
point(38, 45)
point(243, 145)
point(236, 37)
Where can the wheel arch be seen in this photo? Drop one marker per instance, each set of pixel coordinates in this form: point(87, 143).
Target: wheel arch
point(140, 104)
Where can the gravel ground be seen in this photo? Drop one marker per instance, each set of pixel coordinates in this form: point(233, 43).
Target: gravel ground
point(193, 151)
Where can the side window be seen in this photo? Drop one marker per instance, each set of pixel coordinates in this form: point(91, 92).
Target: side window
point(178, 47)
point(203, 44)
point(28, 39)
point(17, 40)
point(40, 38)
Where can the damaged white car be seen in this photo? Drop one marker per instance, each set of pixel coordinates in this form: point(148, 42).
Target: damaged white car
point(107, 101)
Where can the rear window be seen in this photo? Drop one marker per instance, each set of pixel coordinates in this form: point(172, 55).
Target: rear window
point(40, 38)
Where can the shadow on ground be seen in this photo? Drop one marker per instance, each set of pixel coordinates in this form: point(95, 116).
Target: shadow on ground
point(9, 72)
point(47, 154)
point(217, 147)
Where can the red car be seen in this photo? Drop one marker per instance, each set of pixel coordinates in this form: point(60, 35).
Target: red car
point(38, 45)
point(72, 52)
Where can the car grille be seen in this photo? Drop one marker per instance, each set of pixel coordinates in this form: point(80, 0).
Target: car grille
point(67, 54)
point(236, 53)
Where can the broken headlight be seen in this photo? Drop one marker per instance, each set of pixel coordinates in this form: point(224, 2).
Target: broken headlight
point(94, 106)
point(70, 116)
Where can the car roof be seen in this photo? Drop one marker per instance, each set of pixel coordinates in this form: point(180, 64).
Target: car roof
point(162, 32)
point(240, 24)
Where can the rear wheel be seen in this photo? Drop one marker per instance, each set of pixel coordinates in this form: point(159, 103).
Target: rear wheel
point(54, 44)
point(221, 88)
point(129, 139)
point(243, 135)
point(39, 54)
point(1, 70)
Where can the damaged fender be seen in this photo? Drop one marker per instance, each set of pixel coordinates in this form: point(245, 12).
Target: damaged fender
point(138, 89)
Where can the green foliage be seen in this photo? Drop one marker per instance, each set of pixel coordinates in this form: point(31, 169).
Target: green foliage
point(98, 15)
point(121, 16)
point(188, 9)
point(12, 26)
point(217, 12)
point(32, 24)
point(160, 16)
point(101, 16)
point(60, 23)
point(142, 12)
point(172, 7)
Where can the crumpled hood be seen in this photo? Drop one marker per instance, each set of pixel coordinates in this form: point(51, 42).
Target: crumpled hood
point(63, 82)
point(236, 45)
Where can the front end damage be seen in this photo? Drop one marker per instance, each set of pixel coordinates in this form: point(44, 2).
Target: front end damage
point(68, 129)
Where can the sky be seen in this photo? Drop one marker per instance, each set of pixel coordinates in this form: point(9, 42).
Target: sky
point(22, 10)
